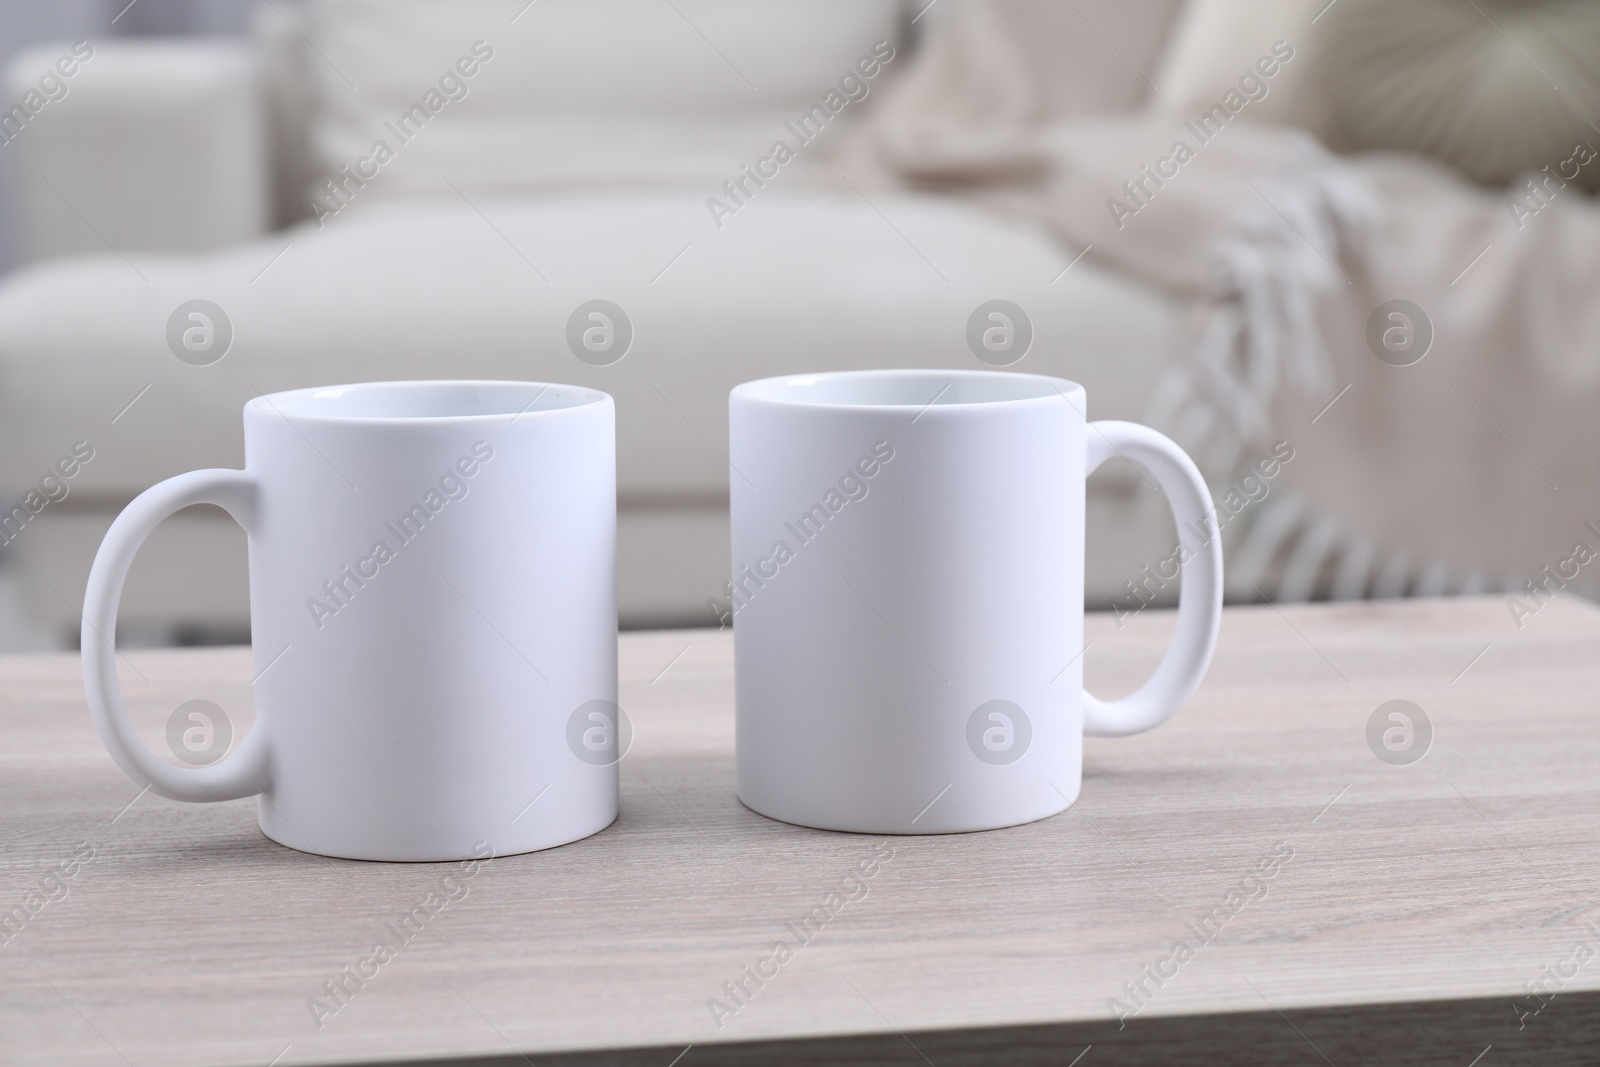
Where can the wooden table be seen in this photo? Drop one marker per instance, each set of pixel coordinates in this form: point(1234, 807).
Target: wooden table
point(1410, 908)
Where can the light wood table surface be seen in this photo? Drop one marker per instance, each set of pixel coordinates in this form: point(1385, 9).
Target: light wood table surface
point(1411, 911)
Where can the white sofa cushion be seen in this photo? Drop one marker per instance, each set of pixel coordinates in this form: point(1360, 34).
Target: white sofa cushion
point(797, 282)
point(1214, 43)
point(565, 92)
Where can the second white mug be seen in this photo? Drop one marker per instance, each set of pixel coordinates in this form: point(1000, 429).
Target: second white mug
point(908, 554)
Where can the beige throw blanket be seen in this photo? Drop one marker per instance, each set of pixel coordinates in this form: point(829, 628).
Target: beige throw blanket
point(1473, 468)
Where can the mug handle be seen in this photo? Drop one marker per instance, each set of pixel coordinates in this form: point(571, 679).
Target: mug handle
point(1199, 595)
point(243, 773)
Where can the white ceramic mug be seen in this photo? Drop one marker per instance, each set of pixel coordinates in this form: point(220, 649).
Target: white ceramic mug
point(908, 551)
point(432, 615)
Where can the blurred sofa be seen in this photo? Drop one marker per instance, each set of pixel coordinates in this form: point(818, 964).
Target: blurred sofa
point(580, 160)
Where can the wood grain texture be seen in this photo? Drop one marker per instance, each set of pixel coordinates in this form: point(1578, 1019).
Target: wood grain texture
point(1418, 903)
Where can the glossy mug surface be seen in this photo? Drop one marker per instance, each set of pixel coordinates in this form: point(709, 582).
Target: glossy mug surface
point(907, 596)
point(433, 619)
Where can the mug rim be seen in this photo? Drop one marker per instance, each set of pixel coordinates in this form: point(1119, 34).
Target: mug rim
point(774, 390)
point(295, 404)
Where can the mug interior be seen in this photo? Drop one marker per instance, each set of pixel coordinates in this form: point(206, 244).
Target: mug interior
point(426, 400)
point(907, 388)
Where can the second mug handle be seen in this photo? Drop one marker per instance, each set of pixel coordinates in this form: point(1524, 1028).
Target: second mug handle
point(1199, 595)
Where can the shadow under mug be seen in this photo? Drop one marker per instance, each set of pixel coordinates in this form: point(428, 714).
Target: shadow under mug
point(907, 595)
point(432, 619)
